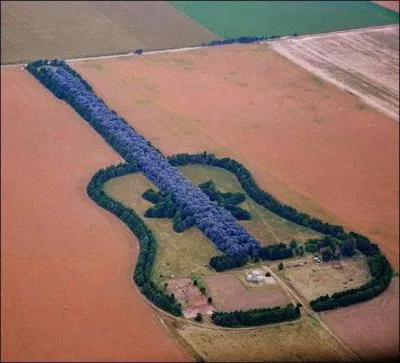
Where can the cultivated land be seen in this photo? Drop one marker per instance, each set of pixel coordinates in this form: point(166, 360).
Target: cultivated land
point(364, 62)
point(370, 329)
point(64, 29)
point(308, 143)
point(235, 19)
point(392, 4)
point(303, 340)
point(66, 265)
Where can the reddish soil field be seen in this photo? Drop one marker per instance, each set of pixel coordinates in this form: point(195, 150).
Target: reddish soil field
point(305, 141)
point(230, 294)
point(66, 264)
point(370, 329)
point(392, 4)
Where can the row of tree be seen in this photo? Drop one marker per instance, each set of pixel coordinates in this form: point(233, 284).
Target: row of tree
point(214, 221)
point(147, 241)
point(241, 40)
point(256, 317)
point(274, 252)
point(381, 272)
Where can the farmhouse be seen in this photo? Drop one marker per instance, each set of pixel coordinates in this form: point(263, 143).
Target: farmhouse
point(254, 276)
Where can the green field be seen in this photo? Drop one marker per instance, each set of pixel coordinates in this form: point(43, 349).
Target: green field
point(186, 254)
point(231, 19)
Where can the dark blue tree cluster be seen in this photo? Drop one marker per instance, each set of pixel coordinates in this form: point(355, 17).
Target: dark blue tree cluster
point(214, 221)
point(240, 40)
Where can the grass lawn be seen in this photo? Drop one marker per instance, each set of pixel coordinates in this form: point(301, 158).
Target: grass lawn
point(230, 19)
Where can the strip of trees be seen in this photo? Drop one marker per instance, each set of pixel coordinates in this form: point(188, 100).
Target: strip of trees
point(240, 40)
point(255, 317)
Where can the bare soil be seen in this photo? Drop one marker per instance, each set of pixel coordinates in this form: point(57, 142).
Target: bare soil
point(66, 264)
point(392, 4)
point(229, 293)
point(370, 329)
point(65, 29)
point(307, 142)
point(364, 62)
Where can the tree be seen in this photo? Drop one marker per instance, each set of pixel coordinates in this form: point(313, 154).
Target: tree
point(348, 247)
point(209, 300)
point(293, 244)
point(138, 51)
point(280, 266)
point(203, 290)
point(198, 317)
point(326, 254)
point(195, 282)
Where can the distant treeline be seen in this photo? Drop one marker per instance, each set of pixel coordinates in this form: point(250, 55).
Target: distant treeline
point(256, 317)
point(240, 40)
point(247, 39)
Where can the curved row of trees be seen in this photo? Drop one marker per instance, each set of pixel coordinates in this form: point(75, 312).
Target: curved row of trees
point(379, 266)
point(147, 241)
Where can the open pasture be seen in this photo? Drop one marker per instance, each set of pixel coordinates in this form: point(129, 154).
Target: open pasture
point(71, 29)
point(66, 265)
point(235, 19)
point(314, 279)
point(364, 62)
point(306, 142)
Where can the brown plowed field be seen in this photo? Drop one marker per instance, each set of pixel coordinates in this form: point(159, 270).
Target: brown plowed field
point(305, 141)
point(371, 329)
point(70, 29)
point(392, 4)
point(66, 264)
point(364, 62)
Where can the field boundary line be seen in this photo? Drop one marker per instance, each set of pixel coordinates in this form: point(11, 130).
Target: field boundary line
point(197, 47)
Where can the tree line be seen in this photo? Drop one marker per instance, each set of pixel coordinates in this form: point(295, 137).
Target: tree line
point(147, 241)
point(255, 317)
point(336, 238)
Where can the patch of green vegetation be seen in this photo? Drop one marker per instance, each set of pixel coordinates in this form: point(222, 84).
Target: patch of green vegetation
point(318, 81)
point(232, 19)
